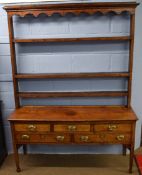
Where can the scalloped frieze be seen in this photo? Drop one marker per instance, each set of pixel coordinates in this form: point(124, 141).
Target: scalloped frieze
point(36, 13)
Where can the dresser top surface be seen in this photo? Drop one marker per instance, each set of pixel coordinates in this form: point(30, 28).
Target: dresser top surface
point(73, 113)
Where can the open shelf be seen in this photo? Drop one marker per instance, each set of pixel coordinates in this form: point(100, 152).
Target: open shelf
point(40, 40)
point(71, 75)
point(72, 94)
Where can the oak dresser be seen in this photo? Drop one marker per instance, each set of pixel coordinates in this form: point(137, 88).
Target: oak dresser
point(72, 124)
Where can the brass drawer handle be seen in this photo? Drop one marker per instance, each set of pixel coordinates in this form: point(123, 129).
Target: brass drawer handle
point(84, 138)
point(112, 127)
point(25, 137)
point(71, 127)
point(60, 138)
point(31, 127)
point(120, 137)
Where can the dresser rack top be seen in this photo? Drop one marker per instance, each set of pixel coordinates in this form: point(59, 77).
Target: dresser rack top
point(75, 8)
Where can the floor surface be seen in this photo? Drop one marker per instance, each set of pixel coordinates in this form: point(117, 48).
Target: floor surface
point(69, 165)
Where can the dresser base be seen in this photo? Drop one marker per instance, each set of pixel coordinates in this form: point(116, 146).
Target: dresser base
point(77, 125)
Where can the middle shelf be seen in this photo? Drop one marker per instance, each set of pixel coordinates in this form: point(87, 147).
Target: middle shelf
point(73, 94)
point(40, 40)
point(71, 75)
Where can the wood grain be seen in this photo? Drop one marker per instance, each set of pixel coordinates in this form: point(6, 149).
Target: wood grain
point(73, 75)
point(73, 113)
point(52, 40)
point(103, 138)
point(109, 127)
point(43, 138)
point(66, 127)
point(131, 55)
point(13, 60)
point(72, 94)
point(75, 8)
point(37, 127)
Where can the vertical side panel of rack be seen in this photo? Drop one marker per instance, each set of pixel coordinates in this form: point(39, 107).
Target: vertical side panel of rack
point(13, 59)
point(131, 55)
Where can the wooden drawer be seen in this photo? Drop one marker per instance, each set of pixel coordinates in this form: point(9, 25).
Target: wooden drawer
point(112, 127)
point(102, 138)
point(42, 138)
point(32, 127)
point(71, 128)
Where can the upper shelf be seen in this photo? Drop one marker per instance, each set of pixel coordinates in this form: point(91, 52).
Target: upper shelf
point(32, 40)
point(75, 8)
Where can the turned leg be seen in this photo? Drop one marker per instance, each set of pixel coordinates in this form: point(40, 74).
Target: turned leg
point(25, 149)
point(124, 150)
point(131, 158)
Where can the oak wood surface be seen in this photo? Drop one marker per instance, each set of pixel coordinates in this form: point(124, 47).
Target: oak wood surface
point(113, 127)
point(52, 138)
point(131, 55)
point(40, 40)
point(32, 127)
point(103, 138)
point(71, 127)
point(72, 5)
point(72, 113)
point(13, 60)
point(73, 75)
point(72, 94)
point(43, 138)
point(75, 8)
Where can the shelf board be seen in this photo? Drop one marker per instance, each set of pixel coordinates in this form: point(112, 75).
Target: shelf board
point(40, 40)
point(72, 94)
point(71, 75)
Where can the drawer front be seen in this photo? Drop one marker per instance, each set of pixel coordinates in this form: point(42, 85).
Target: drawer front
point(71, 128)
point(32, 127)
point(103, 138)
point(112, 127)
point(42, 138)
